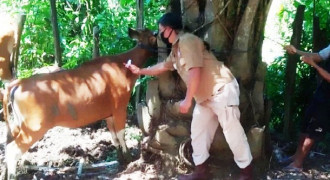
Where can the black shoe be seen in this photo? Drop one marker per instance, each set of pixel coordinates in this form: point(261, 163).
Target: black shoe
point(246, 173)
point(201, 172)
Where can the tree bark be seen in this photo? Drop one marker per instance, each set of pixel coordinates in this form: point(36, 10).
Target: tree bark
point(242, 42)
point(139, 12)
point(290, 72)
point(139, 25)
point(56, 34)
point(96, 39)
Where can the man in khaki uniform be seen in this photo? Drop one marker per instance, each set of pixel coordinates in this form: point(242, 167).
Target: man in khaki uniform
point(215, 91)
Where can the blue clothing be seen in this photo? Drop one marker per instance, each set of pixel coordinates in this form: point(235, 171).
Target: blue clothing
point(322, 93)
point(317, 118)
point(325, 53)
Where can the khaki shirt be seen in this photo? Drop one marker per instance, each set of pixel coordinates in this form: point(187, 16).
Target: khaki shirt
point(188, 51)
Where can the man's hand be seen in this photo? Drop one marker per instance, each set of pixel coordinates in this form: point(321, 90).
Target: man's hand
point(308, 60)
point(134, 69)
point(185, 106)
point(290, 49)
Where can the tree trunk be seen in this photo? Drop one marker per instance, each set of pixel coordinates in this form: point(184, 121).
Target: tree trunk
point(139, 25)
point(96, 39)
point(234, 30)
point(56, 34)
point(290, 72)
point(139, 12)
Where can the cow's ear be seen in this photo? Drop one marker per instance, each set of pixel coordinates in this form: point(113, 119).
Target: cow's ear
point(134, 34)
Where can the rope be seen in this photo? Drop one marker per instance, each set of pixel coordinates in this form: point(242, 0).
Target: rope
point(275, 41)
point(153, 49)
point(216, 16)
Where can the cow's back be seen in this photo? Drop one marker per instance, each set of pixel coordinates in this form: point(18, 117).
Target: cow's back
point(72, 98)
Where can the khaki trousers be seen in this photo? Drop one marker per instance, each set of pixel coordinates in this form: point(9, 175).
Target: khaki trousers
point(221, 108)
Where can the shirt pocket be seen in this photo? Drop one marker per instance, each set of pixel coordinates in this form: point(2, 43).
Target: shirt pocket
point(181, 63)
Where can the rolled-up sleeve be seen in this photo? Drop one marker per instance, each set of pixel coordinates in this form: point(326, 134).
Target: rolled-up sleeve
point(168, 63)
point(325, 53)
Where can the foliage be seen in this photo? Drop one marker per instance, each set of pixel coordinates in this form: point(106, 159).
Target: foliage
point(275, 88)
point(305, 79)
point(275, 92)
point(76, 20)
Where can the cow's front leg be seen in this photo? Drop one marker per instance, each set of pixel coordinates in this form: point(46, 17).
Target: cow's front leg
point(116, 126)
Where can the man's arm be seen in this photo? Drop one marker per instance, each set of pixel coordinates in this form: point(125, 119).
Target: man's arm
point(153, 70)
point(323, 73)
point(292, 50)
point(311, 59)
point(192, 85)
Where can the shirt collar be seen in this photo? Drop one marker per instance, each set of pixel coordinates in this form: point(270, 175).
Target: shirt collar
point(178, 37)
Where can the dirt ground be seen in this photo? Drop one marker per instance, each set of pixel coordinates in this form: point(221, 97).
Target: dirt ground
point(62, 151)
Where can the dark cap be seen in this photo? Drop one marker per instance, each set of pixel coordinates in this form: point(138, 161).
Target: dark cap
point(172, 20)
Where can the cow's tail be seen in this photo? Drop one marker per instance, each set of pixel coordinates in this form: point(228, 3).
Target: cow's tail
point(7, 104)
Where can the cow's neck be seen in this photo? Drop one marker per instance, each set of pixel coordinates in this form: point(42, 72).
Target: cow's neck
point(138, 56)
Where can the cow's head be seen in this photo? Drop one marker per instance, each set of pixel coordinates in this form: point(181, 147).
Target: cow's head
point(145, 37)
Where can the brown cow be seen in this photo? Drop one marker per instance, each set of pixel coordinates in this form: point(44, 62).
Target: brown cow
point(99, 89)
point(7, 41)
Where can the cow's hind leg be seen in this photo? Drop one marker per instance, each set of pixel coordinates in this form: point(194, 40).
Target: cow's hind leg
point(19, 145)
point(118, 139)
point(12, 155)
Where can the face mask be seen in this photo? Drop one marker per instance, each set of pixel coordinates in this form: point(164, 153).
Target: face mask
point(164, 39)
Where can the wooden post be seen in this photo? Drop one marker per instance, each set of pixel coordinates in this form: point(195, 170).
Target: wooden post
point(139, 13)
point(15, 55)
point(56, 34)
point(290, 72)
point(139, 25)
point(96, 39)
